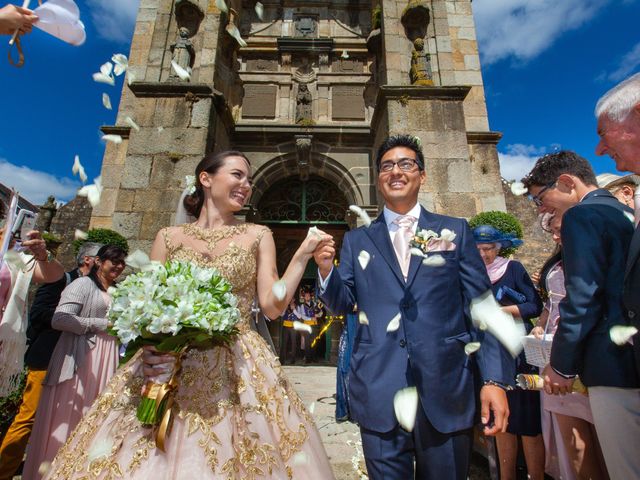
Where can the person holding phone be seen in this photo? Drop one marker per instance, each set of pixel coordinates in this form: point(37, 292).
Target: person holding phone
point(514, 290)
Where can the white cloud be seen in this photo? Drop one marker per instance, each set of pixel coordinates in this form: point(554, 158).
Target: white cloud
point(518, 160)
point(35, 185)
point(628, 64)
point(523, 29)
point(114, 19)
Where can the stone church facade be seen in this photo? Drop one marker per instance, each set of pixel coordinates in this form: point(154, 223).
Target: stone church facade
point(307, 91)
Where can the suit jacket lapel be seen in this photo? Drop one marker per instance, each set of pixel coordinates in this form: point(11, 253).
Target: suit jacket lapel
point(424, 222)
point(634, 251)
point(379, 234)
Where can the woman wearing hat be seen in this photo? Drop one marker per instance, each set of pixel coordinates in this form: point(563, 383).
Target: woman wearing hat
point(514, 290)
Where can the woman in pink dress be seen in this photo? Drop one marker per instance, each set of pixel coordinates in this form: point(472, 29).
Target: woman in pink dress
point(572, 448)
point(235, 413)
point(84, 360)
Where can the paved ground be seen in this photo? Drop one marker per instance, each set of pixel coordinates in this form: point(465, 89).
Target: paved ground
point(317, 385)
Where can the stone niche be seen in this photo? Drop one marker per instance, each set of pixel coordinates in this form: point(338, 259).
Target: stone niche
point(347, 102)
point(259, 101)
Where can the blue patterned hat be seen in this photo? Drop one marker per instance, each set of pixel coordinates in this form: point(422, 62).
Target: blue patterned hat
point(489, 234)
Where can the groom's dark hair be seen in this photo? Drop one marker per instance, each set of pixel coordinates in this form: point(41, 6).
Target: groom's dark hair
point(407, 141)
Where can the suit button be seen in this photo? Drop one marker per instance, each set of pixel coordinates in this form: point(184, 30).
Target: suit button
point(403, 343)
point(632, 314)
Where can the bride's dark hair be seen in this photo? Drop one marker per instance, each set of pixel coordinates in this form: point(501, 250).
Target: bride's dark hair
point(211, 163)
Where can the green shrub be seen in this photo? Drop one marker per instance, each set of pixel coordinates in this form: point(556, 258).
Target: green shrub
point(376, 18)
point(505, 222)
point(104, 236)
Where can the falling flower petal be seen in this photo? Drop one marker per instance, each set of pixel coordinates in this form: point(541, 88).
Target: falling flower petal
point(621, 334)
point(630, 217)
point(121, 63)
point(92, 192)
point(518, 188)
point(181, 72)
point(235, 33)
point(312, 408)
point(137, 259)
point(106, 68)
point(44, 468)
point(131, 123)
point(364, 216)
point(394, 324)
point(78, 169)
point(447, 235)
point(279, 289)
point(405, 404)
point(112, 138)
point(362, 318)
point(102, 78)
point(106, 101)
point(99, 449)
point(314, 231)
point(222, 6)
point(363, 259)
point(301, 327)
point(345, 54)
point(259, 10)
point(160, 129)
point(416, 251)
point(131, 77)
point(80, 235)
point(486, 310)
point(434, 260)
point(300, 458)
point(471, 347)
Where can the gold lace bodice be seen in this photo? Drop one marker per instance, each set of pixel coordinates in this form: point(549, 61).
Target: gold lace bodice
point(232, 250)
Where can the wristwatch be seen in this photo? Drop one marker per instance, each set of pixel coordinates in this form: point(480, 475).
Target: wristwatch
point(498, 384)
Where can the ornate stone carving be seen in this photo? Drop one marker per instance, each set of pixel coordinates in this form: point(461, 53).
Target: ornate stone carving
point(420, 72)
point(303, 152)
point(306, 27)
point(304, 73)
point(304, 108)
point(182, 52)
point(46, 214)
point(189, 15)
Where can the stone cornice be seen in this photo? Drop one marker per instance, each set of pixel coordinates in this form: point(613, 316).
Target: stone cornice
point(275, 134)
point(171, 89)
point(121, 130)
point(484, 137)
point(287, 44)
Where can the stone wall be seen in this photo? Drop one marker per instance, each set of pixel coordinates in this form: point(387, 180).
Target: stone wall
point(74, 215)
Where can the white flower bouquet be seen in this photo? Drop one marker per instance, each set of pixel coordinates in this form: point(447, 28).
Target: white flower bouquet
point(174, 307)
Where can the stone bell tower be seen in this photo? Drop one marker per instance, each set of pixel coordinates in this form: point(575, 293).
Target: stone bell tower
point(308, 90)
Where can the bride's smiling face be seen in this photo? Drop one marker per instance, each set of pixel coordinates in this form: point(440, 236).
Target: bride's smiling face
point(230, 186)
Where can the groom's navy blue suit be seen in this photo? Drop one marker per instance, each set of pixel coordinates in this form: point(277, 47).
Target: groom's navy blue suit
point(427, 351)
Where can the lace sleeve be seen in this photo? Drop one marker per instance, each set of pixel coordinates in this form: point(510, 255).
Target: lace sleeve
point(166, 235)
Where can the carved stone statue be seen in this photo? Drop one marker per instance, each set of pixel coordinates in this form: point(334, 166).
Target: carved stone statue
point(420, 64)
point(46, 214)
point(304, 113)
point(183, 52)
point(306, 27)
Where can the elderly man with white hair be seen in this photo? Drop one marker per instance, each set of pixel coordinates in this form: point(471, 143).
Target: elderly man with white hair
point(618, 113)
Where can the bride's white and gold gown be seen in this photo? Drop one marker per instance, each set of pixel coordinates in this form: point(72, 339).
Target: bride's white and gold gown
point(236, 416)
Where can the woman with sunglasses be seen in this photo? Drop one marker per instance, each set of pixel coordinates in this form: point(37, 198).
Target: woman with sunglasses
point(84, 360)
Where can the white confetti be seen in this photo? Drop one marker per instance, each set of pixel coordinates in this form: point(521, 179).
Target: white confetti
point(106, 68)
point(117, 139)
point(137, 259)
point(518, 188)
point(121, 63)
point(447, 235)
point(300, 458)
point(405, 405)
point(394, 324)
point(78, 169)
point(345, 54)
point(434, 260)
point(486, 310)
point(181, 72)
point(235, 33)
point(102, 78)
point(222, 6)
point(44, 468)
point(92, 192)
point(99, 449)
point(80, 235)
point(312, 408)
point(416, 251)
point(630, 217)
point(364, 216)
point(279, 289)
point(621, 334)
point(129, 121)
point(131, 77)
point(363, 259)
point(259, 8)
point(362, 318)
point(106, 101)
point(314, 231)
point(301, 327)
point(471, 347)
point(160, 129)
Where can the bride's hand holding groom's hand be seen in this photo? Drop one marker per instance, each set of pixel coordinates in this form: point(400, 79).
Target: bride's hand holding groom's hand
point(323, 256)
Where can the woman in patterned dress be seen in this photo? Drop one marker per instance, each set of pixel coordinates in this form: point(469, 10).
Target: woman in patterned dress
point(236, 415)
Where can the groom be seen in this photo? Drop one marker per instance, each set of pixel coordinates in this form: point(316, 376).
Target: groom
point(427, 349)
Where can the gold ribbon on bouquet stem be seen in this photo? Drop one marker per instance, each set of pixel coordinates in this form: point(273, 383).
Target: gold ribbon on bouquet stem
point(167, 390)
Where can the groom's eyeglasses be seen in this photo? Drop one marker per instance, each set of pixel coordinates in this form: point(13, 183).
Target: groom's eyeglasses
point(537, 199)
point(404, 164)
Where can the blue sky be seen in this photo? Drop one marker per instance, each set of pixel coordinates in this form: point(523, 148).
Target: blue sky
point(545, 64)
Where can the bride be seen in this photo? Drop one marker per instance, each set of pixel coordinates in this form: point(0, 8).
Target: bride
point(236, 414)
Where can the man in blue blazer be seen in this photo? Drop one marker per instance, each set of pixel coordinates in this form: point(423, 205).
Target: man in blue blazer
point(596, 233)
point(425, 344)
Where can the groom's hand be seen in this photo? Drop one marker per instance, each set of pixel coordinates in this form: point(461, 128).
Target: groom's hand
point(493, 399)
point(323, 256)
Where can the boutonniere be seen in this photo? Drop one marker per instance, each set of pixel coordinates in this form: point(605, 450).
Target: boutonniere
point(428, 241)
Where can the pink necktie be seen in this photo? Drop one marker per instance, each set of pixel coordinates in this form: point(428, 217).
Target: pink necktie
point(401, 241)
point(636, 200)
